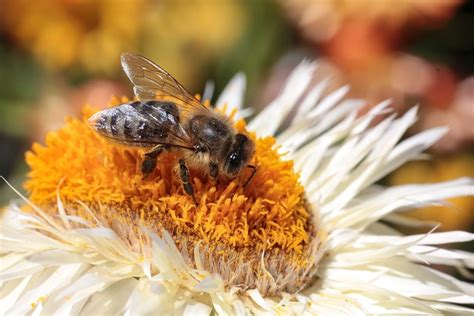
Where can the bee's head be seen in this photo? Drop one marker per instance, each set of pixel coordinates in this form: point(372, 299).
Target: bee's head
point(241, 151)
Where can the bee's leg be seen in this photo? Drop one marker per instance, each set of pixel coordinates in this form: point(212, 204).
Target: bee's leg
point(149, 162)
point(213, 170)
point(254, 169)
point(187, 186)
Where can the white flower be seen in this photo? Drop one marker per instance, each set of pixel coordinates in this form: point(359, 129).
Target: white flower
point(53, 267)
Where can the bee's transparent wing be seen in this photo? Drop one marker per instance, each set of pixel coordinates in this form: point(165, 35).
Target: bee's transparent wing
point(151, 82)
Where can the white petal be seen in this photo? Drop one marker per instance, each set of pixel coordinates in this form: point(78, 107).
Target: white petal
point(10, 292)
point(233, 94)
point(111, 301)
point(73, 297)
point(360, 177)
point(150, 297)
point(446, 238)
point(48, 285)
point(310, 101)
point(208, 90)
point(197, 309)
point(327, 103)
point(268, 121)
point(370, 208)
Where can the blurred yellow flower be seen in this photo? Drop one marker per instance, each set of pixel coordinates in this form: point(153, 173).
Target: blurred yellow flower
point(185, 35)
point(92, 34)
point(63, 34)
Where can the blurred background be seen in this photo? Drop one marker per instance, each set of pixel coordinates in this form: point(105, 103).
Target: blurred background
point(57, 55)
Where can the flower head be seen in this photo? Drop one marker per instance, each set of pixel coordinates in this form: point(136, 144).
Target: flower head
point(304, 236)
point(240, 231)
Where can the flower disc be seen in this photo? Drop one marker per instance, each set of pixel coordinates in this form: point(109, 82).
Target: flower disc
point(260, 236)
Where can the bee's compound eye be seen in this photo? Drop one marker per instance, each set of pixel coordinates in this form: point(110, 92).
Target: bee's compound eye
point(239, 154)
point(234, 163)
point(234, 159)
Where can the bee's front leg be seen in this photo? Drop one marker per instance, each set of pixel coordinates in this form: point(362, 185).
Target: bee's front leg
point(213, 170)
point(149, 162)
point(184, 172)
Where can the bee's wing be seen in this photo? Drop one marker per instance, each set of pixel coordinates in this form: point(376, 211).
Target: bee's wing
point(151, 82)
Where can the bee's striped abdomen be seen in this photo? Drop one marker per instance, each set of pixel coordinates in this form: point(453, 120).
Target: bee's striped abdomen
point(138, 123)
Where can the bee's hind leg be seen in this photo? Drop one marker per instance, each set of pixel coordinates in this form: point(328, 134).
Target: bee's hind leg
point(151, 157)
point(187, 186)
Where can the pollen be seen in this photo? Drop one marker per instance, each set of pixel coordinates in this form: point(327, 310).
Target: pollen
point(263, 235)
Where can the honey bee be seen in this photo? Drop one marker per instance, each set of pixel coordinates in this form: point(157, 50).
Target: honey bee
point(167, 117)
